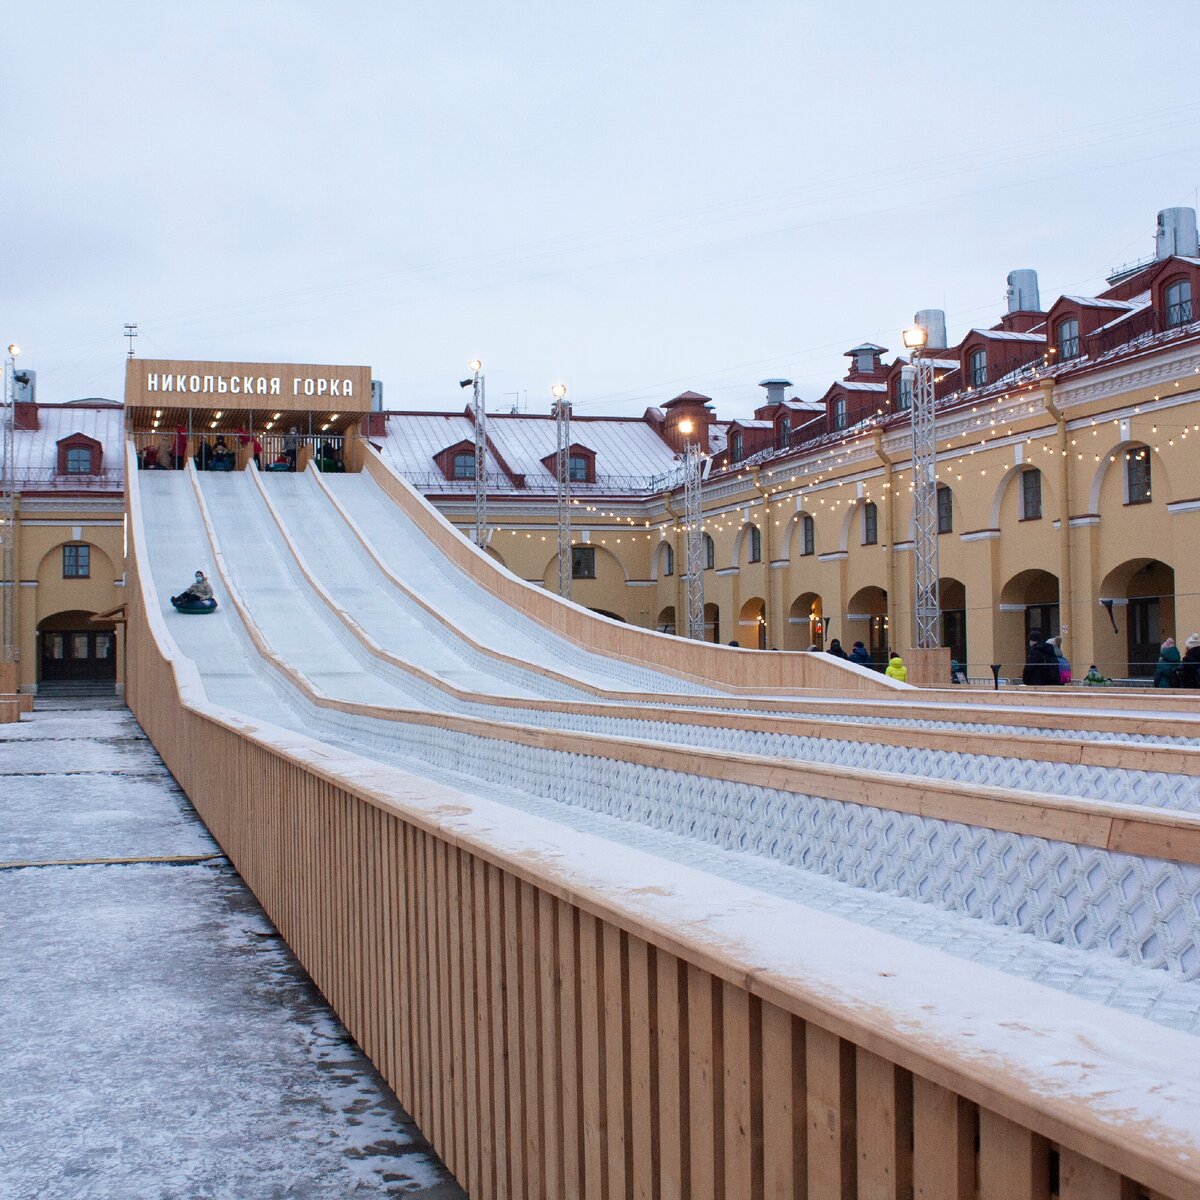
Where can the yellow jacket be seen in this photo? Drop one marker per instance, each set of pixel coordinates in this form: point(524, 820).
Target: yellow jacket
point(896, 669)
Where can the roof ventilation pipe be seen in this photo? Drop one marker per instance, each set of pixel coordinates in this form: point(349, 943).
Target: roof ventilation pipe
point(933, 321)
point(775, 389)
point(1022, 293)
point(1176, 233)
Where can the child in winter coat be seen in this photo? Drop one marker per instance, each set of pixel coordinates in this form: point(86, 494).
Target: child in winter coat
point(896, 668)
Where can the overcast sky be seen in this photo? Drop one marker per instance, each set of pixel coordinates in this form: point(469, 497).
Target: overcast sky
point(636, 198)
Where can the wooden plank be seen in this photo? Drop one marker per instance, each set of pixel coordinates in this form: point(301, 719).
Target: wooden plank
point(783, 1098)
point(616, 1073)
point(883, 1104)
point(1014, 1163)
point(531, 1020)
point(591, 1074)
point(703, 1114)
point(674, 1149)
point(943, 1143)
point(458, 1054)
point(570, 1050)
point(436, 1131)
point(488, 1128)
point(498, 1040)
point(643, 1069)
point(741, 1054)
point(444, 1079)
point(550, 996)
point(1081, 1178)
point(831, 1156)
point(471, 1124)
point(514, 1040)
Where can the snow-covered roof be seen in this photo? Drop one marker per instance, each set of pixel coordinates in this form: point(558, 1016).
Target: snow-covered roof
point(625, 448)
point(35, 451)
point(741, 424)
point(855, 386)
point(1008, 335)
point(1096, 302)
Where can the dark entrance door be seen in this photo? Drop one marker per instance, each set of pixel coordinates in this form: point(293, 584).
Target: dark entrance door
point(1143, 635)
point(1042, 617)
point(79, 654)
point(954, 634)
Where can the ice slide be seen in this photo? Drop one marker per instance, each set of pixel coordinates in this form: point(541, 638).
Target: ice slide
point(275, 543)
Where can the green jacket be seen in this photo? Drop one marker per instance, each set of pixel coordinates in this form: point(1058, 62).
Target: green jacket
point(1168, 660)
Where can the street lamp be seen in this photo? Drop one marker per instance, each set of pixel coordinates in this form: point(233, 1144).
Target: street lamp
point(926, 606)
point(475, 383)
point(562, 416)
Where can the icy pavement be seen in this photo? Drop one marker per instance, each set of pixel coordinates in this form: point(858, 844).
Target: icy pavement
point(158, 1038)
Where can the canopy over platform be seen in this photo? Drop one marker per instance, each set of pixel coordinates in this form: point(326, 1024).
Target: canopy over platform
point(163, 394)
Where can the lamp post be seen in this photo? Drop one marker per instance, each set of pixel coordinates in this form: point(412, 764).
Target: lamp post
point(694, 537)
point(480, 418)
point(8, 510)
point(926, 608)
point(562, 415)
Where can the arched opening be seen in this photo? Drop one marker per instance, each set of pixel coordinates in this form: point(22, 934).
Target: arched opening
point(612, 616)
point(952, 599)
point(74, 647)
point(1145, 589)
point(1028, 601)
point(712, 623)
point(664, 560)
point(806, 623)
point(666, 620)
point(867, 621)
point(752, 624)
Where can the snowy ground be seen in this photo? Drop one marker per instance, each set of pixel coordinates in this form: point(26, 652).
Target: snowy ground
point(157, 1039)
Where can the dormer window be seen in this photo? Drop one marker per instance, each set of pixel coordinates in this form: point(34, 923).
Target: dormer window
point(1066, 338)
point(839, 413)
point(577, 469)
point(783, 432)
point(904, 389)
point(79, 454)
point(735, 445)
point(581, 464)
point(977, 368)
point(464, 465)
point(1179, 302)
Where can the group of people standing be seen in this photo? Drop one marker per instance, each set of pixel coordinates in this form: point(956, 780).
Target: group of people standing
point(861, 656)
point(1047, 666)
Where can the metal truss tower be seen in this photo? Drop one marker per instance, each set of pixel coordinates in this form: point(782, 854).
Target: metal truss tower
point(562, 463)
point(926, 608)
point(693, 462)
point(8, 513)
point(478, 412)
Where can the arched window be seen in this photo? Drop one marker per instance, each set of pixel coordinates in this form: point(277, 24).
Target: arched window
point(1137, 475)
point(1031, 494)
point(870, 523)
point(945, 509)
point(464, 465)
point(668, 559)
point(977, 365)
point(710, 553)
point(1179, 302)
point(839, 413)
point(755, 544)
point(904, 389)
point(1066, 338)
point(806, 535)
point(735, 445)
point(783, 432)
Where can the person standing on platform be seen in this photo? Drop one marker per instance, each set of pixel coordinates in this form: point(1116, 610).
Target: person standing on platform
point(860, 655)
point(291, 446)
point(835, 648)
point(179, 453)
point(896, 668)
point(1168, 664)
point(1190, 675)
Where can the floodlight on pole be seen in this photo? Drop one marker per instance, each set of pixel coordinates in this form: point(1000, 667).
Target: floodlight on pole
point(562, 463)
point(479, 416)
point(8, 512)
point(926, 605)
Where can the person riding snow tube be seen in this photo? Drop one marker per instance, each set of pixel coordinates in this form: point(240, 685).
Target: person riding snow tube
point(196, 599)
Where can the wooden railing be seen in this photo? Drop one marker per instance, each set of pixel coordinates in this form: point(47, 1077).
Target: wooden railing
point(564, 1022)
